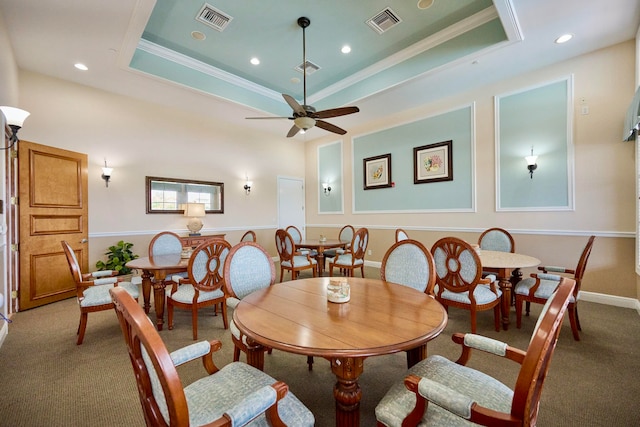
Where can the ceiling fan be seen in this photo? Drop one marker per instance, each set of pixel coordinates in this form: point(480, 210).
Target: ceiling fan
point(305, 116)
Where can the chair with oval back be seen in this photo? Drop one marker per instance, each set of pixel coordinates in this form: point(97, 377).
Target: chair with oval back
point(459, 281)
point(345, 235)
point(497, 239)
point(165, 243)
point(439, 392)
point(203, 287)
point(92, 289)
point(353, 257)
point(235, 395)
point(291, 258)
point(539, 287)
point(409, 263)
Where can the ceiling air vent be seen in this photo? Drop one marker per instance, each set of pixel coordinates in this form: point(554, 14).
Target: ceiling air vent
point(384, 20)
point(212, 17)
point(310, 68)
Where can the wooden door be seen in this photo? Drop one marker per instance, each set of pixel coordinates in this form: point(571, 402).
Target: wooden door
point(52, 201)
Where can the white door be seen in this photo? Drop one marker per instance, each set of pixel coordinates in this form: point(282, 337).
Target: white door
point(291, 203)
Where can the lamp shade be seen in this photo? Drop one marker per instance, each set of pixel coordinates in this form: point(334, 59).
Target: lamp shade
point(531, 160)
point(194, 210)
point(15, 116)
point(304, 122)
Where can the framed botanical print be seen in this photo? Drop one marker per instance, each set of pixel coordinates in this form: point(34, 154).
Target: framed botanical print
point(433, 163)
point(377, 171)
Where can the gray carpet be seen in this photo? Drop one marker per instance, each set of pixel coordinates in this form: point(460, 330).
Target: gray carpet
point(47, 380)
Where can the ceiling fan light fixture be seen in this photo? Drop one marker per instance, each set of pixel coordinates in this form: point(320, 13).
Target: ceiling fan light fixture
point(304, 123)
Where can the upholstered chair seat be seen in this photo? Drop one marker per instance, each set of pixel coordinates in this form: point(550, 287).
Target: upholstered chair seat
point(291, 258)
point(345, 259)
point(482, 294)
point(353, 257)
point(299, 261)
point(186, 292)
point(99, 294)
point(548, 285)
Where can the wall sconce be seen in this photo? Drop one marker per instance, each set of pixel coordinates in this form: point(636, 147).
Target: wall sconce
point(194, 211)
point(106, 173)
point(15, 119)
point(531, 163)
point(247, 187)
point(327, 188)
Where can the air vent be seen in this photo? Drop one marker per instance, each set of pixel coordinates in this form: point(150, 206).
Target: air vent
point(384, 20)
point(212, 17)
point(310, 68)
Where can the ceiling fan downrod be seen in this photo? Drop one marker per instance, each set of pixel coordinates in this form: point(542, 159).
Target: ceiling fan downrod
point(304, 22)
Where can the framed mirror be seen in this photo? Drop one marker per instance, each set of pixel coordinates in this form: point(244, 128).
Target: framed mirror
point(168, 195)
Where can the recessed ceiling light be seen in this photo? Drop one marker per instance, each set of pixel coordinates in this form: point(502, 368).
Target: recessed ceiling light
point(564, 38)
point(346, 48)
point(255, 61)
point(295, 80)
point(198, 35)
point(424, 4)
point(80, 66)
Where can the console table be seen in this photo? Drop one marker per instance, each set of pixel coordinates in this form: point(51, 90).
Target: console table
point(193, 241)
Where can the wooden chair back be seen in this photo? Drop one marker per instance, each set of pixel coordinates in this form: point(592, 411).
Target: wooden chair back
point(146, 349)
point(247, 268)
point(582, 264)
point(346, 234)
point(401, 234)
point(165, 243)
point(249, 236)
point(497, 239)
point(295, 233)
point(206, 265)
point(408, 262)
point(534, 368)
point(458, 266)
point(74, 266)
point(285, 245)
point(359, 243)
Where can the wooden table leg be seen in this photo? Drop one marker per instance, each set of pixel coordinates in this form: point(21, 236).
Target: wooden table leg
point(505, 303)
point(255, 354)
point(415, 355)
point(158, 299)
point(146, 290)
point(347, 391)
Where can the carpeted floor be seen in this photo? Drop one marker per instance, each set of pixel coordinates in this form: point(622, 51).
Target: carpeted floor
point(47, 380)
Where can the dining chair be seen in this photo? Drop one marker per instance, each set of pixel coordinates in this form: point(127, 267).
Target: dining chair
point(353, 257)
point(92, 289)
point(247, 268)
point(409, 263)
point(345, 235)
point(401, 234)
point(203, 286)
point(459, 281)
point(290, 258)
point(235, 395)
point(439, 392)
point(296, 235)
point(497, 239)
point(539, 287)
point(165, 243)
point(249, 236)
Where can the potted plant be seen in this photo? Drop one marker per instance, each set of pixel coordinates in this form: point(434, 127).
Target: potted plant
point(118, 256)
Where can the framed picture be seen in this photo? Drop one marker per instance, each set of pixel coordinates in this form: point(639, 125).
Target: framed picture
point(433, 163)
point(377, 172)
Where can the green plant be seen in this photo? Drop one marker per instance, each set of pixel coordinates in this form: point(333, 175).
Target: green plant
point(118, 256)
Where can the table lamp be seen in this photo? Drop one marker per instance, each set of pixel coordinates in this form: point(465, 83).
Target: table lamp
point(194, 211)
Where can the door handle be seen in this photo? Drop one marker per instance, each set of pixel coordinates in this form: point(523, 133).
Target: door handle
point(84, 241)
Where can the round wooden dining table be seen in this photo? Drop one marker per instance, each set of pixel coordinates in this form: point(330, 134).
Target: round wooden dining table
point(320, 246)
point(380, 318)
point(504, 263)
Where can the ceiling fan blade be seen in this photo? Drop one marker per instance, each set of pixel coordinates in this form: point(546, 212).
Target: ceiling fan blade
point(293, 131)
point(331, 128)
point(297, 108)
point(334, 112)
point(269, 118)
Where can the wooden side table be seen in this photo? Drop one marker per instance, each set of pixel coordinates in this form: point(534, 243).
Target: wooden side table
point(194, 241)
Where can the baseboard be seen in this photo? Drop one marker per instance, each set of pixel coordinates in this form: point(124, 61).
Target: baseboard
point(610, 300)
point(4, 331)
